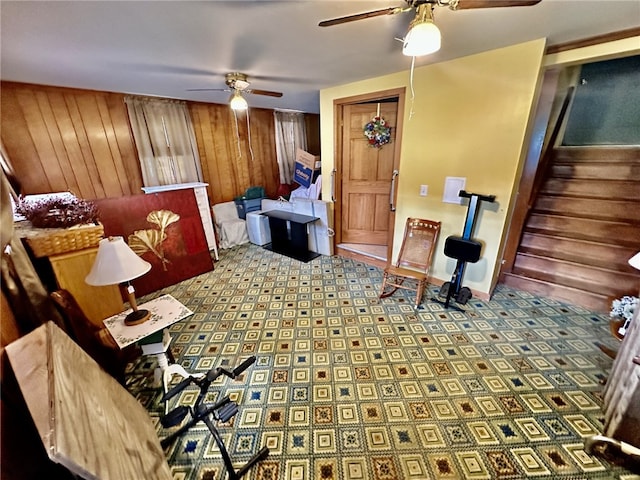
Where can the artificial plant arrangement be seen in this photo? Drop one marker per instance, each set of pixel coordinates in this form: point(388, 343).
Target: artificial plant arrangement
point(58, 211)
point(622, 309)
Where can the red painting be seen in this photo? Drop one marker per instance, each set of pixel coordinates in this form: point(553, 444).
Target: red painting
point(163, 228)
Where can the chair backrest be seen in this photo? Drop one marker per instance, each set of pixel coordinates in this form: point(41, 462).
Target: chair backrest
point(89, 336)
point(78, 326)
point(418, 244)
point(224, 212)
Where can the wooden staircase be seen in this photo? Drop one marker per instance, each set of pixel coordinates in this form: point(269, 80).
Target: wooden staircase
point(583, 226)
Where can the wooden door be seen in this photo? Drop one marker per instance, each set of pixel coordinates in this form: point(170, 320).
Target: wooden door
point(366, 176)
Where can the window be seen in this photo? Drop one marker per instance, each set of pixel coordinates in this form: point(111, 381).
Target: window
point(165, 141)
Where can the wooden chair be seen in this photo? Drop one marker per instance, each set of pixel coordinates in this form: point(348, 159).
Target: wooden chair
point(95, 340)
point(410, 271)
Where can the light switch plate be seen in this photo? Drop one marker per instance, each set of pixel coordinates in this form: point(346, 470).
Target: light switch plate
point(424, 189)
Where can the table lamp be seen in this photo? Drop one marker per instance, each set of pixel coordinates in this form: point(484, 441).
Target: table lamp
point(116, 263)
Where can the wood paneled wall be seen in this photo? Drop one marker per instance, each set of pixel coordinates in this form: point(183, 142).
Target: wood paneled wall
point(60, 139)
point(235, 154)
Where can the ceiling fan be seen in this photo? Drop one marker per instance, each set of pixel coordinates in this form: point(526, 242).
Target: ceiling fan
point(424, 36)
point(238, 84)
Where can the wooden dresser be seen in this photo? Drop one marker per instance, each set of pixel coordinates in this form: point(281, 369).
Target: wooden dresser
point(622, 392)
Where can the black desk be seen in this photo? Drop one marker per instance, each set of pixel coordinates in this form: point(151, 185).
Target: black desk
point(289, 234)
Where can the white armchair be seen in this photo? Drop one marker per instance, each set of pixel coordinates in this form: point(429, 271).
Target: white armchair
point(230, 228)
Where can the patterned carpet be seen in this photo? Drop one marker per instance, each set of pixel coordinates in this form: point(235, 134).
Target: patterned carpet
point(348, 386)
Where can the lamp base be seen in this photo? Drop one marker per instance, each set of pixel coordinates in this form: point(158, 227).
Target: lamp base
point(137, 317)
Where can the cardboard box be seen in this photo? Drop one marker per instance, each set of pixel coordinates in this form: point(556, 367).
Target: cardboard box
point(312, 162)
point(307, 168)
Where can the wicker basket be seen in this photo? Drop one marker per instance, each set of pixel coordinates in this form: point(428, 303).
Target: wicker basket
point(45, 242)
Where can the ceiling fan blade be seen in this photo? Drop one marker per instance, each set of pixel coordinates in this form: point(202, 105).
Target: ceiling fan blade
point(468, 4)
point(208, 90)
point(263, 92)
point(362, 16)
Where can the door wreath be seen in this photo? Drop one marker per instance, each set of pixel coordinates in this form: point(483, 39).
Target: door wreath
point(377, 131)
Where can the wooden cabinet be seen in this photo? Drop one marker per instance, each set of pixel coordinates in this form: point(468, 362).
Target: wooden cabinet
point(202, 199)
point(70, 270)
point(622, 391)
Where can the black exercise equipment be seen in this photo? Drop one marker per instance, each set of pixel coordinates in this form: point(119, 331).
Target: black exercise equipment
point(223, 410)
point(464, 250)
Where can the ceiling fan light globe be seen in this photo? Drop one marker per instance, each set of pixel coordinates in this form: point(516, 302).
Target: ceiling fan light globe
point(423, 38)
point(237, 102)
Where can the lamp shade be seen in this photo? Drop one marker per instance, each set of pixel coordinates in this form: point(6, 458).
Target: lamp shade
point(635, 261)
point(423, 38)
point(115, 263)
point(237, 101)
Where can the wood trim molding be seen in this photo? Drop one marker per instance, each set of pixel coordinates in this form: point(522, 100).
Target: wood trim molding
point(587, 42)
point(368, 97)
point(527, 181)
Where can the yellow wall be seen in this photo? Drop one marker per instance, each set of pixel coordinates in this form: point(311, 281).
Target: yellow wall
point(470, 119)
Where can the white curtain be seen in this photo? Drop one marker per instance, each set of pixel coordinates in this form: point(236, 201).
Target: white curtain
point(165, 141)
point(290, 135)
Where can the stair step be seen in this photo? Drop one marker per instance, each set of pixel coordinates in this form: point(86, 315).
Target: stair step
point(590, 188)
point(601, 231)
point(583, 228)
point(588, 300)
point(616, 210)
point(597, 280)
point(579, 251)
point(604, 170)
point(597, 154)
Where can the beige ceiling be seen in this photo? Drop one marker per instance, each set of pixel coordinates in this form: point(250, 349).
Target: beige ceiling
point(164, 48)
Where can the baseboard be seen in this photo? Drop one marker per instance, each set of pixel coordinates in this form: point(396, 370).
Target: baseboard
point(342, 252)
